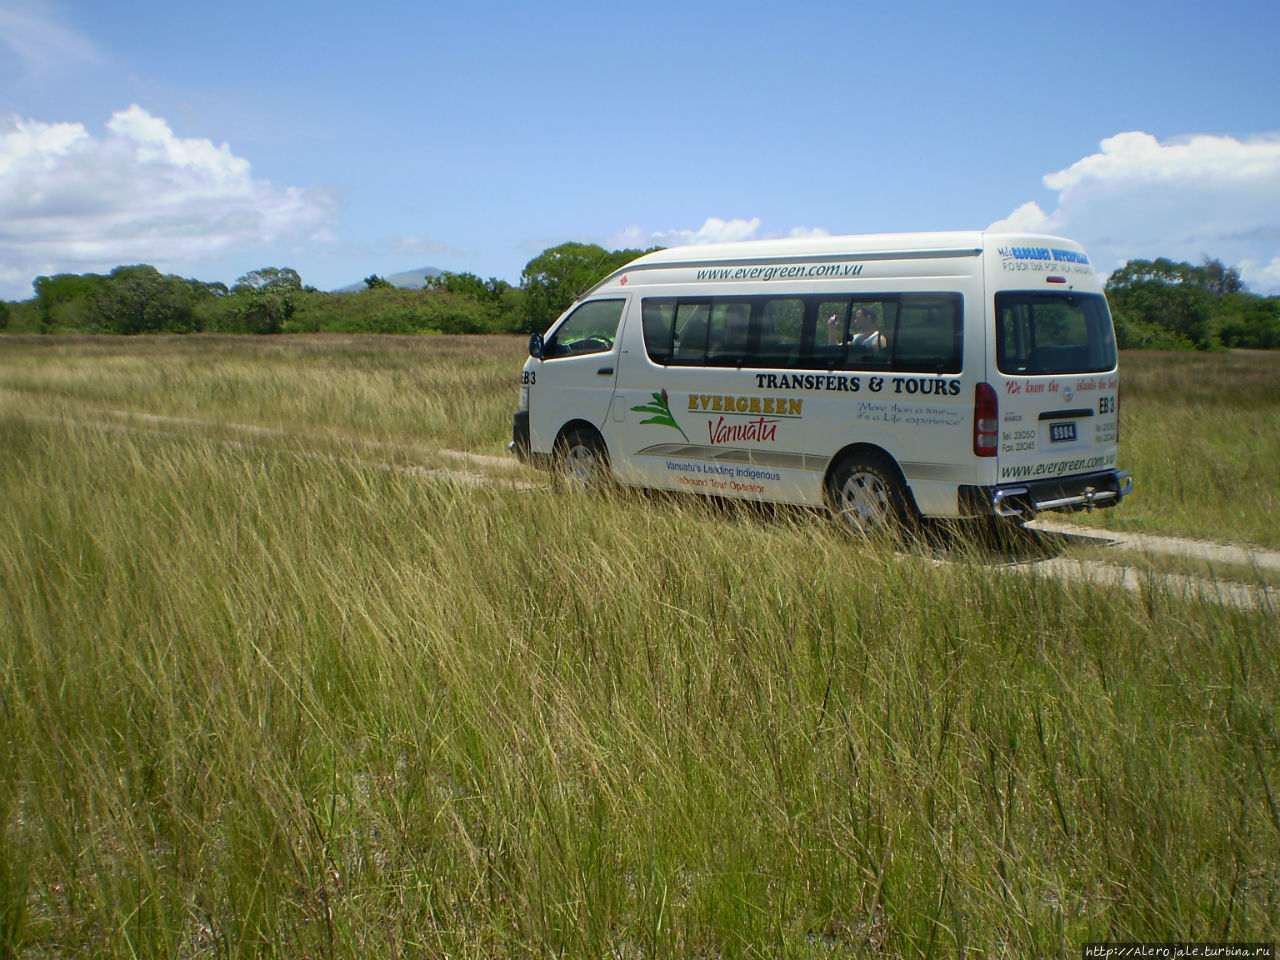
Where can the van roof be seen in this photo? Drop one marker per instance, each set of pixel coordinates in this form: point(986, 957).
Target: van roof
point(958, 243)
point(812, 247)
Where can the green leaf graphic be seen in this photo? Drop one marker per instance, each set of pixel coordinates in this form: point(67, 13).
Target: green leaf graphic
point(661, 411)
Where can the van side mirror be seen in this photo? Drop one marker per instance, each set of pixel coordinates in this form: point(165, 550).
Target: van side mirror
point(535, 346)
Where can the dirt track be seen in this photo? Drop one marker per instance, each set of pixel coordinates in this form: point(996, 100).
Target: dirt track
point(1228, 592)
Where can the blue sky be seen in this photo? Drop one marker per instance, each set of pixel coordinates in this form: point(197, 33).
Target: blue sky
point(344, 140)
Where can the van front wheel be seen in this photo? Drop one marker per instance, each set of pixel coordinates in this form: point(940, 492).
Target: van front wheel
point(582, 459)
point(866, 494)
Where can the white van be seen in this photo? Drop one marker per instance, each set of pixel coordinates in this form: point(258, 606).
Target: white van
point(886, 377)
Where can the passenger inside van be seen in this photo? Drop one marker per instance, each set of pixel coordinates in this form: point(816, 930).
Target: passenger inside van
point(865, 338)
point(833, 329)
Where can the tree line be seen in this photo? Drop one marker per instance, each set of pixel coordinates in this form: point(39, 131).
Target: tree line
point(1166, 305)
point(139, 299)
point(1157, 304)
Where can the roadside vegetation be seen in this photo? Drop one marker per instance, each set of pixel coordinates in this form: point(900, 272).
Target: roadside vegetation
point(141, 300)
point(443, 391)
point(1157, 304)
point(1163, 305)
point(290, 691)
point(1201, 435)
point(1200, 431)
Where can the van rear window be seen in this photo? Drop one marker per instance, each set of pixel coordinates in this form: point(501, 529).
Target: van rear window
point(1053, 333)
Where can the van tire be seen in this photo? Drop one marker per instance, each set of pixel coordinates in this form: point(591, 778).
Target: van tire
point(582, 460)
point(866, 496)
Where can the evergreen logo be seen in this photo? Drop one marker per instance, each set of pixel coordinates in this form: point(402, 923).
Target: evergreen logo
point(661, 410)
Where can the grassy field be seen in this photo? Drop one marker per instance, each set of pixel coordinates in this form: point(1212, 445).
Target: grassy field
point(453, 392)
point(1201, 433)
point(280, 692)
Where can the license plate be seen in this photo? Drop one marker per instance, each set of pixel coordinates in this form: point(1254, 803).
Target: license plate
point(1062, 432)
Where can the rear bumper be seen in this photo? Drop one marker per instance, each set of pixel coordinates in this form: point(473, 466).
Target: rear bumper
point(1027, 498)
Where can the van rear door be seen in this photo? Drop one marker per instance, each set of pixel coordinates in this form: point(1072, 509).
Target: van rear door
point(1057, 385)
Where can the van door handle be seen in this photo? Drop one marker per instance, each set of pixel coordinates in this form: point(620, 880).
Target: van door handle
point(605, 371)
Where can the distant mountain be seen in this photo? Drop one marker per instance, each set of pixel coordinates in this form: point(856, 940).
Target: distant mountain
point(407, 280)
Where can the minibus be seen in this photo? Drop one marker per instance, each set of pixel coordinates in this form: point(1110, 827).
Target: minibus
point(887, 377)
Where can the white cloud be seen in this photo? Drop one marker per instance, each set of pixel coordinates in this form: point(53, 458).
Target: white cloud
point(809, 232)
point(632, 237)
point(713, 230)
point(1261, 277)
point(43, 46)
point(1200, 196)
point(1028, 218)
point(72, 202)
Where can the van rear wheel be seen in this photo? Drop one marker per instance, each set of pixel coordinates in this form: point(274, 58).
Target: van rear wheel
point(866, 495)
point(582, 459)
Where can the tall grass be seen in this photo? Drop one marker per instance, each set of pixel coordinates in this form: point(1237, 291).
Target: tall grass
point(1201, 432)
point(455, 392)
point(258, 703)
point(1201, 435)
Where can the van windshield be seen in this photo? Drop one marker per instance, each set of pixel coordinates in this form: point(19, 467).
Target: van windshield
point(1053, 333)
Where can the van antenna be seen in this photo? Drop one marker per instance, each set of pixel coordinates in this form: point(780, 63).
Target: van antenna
point(591, 283)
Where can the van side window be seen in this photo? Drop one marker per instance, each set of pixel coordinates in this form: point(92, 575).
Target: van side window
point(591, 328)
point(908, 331)
point(690, 340)
point(781, 333)
point(928, 335)
point(727, 333)
point(659, 328)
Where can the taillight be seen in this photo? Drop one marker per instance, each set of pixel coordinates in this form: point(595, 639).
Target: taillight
point(986, 421)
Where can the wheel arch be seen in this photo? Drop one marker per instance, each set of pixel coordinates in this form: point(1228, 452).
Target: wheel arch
point(576, 426)
point(861, 450)
point(581, 454)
